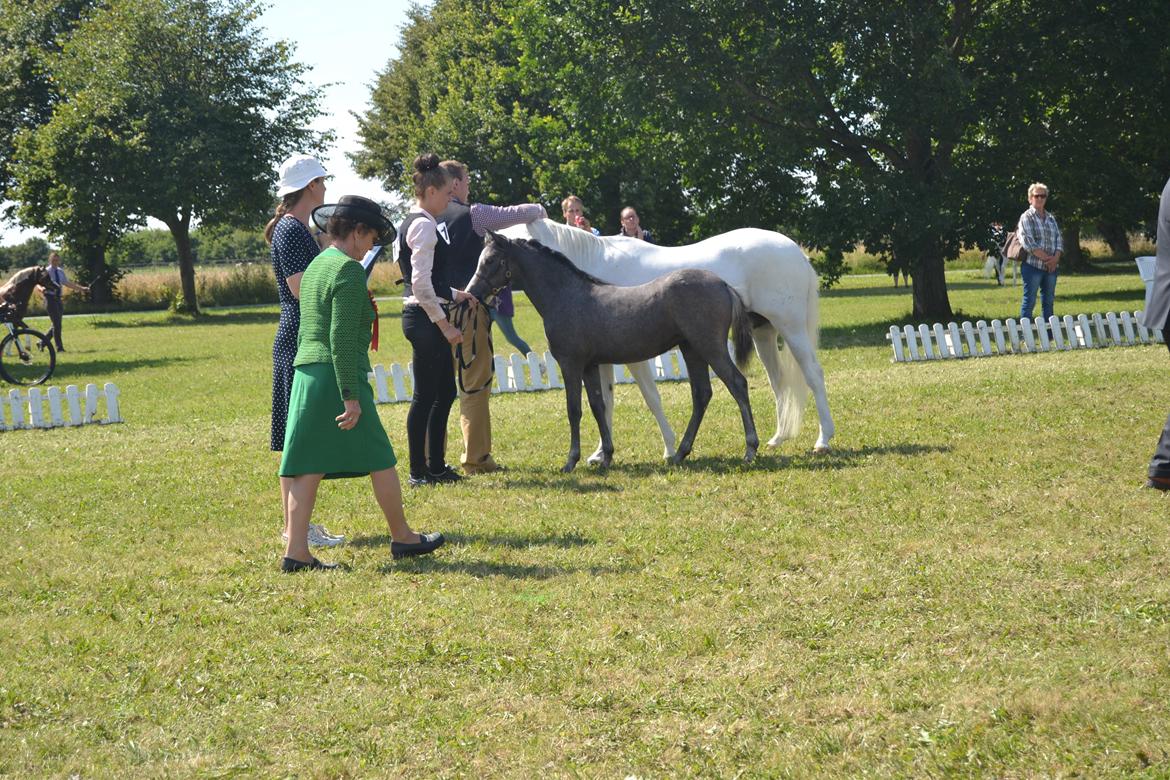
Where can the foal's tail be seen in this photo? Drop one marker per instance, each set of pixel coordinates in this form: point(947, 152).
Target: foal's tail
point(741, 329)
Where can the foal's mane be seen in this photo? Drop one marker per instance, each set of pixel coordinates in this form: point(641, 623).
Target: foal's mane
point(553, 254)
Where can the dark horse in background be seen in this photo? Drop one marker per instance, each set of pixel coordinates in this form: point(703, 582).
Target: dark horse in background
point(15, 293)
point(589, 323)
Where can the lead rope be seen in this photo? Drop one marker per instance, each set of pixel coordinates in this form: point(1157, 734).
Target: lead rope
point(462, 311)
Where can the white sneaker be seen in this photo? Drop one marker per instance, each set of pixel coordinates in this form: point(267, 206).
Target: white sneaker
point(319, 537)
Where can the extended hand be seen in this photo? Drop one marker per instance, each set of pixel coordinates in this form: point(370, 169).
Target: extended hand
point(349, 418)
point(451, 333)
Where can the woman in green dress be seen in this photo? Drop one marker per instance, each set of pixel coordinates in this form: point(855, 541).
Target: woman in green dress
point(333, 428)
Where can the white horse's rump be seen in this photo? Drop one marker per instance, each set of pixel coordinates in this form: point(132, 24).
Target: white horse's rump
point(770, 273)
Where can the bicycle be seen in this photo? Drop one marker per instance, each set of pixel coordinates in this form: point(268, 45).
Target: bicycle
point(27, 356)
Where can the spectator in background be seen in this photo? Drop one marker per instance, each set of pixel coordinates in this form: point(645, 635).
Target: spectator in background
point(53, 302)
point(462, 230)
point(301, 188)
point(1157, 315)
point(632, 226)
point(574, 211)
point(995, 254)
point(1040, 240)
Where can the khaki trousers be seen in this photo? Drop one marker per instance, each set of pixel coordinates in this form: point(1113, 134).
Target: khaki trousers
point(473, 376)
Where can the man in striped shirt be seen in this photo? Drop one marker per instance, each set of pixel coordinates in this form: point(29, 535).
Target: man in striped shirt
point(462, 227)
point(1040, 238)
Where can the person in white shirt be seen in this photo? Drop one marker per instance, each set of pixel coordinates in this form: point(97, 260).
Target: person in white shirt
point(53, 302)
point(428, 300)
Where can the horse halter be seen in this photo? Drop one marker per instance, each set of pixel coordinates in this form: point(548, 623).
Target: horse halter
point(494, 291)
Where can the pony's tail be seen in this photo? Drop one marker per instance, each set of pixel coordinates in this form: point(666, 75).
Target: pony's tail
point(793, 392)
point(741, 329)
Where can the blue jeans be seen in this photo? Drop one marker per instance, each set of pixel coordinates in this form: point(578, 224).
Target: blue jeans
point(509, 331)
point(1037, 279)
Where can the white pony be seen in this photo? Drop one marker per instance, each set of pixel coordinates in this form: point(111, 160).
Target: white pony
point(769, 271)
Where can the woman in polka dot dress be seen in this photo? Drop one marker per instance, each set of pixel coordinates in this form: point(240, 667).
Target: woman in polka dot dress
point(301, 189)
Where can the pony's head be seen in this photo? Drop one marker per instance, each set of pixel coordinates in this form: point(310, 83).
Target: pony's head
point(14, 293)
point(493, 272)
point(45, 279)
point(18, 289)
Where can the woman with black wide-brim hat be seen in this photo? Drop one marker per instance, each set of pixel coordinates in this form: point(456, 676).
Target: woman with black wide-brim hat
point(333, 427)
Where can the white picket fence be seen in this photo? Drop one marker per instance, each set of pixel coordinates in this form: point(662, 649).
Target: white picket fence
point(26, 409)
point(516, 374)
point(1027, 336)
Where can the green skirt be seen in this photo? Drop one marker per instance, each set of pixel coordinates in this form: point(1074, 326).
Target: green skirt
point(313, 444)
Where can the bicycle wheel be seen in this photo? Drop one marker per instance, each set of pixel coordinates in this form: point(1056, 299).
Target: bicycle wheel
point(27, 357)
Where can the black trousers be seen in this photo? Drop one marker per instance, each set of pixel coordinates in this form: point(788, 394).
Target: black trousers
point(1160, 463)
point(434, 392)
point(56, 309)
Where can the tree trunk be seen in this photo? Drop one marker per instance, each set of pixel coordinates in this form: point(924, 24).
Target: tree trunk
point(931, 302)
point(1117, 238)
point(180, 231)
point(94, 254)
point(610, 187)
point(1072, 259)
point(95, 264)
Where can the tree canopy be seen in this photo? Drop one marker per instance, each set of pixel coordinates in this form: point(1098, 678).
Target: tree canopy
point(472, 82)
point(908, 126)
point(171, 109)
point(30, 32)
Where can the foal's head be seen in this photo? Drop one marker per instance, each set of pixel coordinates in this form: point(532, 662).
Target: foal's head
point(498, 267)
point(493, 272)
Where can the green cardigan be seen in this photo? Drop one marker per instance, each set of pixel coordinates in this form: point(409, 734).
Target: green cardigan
point(336, 317)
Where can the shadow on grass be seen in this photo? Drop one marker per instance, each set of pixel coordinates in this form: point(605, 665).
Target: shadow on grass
point(88, 369)
point(263, 314)
point(183, 320)
point(832, 460)
point(486, 569)
point(867, 335)
point(568, 482)
point(1137, 296)
point(848, 458)
point(870, 292)
point(516, 541)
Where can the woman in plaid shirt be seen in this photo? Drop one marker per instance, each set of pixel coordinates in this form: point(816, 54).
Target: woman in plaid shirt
point(1040, 238)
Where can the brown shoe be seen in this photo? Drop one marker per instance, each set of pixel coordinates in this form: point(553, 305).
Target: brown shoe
point(1159, 483)
point(483, 467)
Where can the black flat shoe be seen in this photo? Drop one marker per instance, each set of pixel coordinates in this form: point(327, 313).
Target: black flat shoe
point(446, 475)
point(289, 565)
point(427, 543)
point(1159, 483)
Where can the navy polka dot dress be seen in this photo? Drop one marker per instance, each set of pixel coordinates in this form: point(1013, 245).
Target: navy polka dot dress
point(293, 248)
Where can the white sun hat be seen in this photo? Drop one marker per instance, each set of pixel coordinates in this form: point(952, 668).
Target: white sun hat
point(296, 172)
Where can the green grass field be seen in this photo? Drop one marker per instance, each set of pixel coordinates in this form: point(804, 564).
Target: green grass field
point(974, 583)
